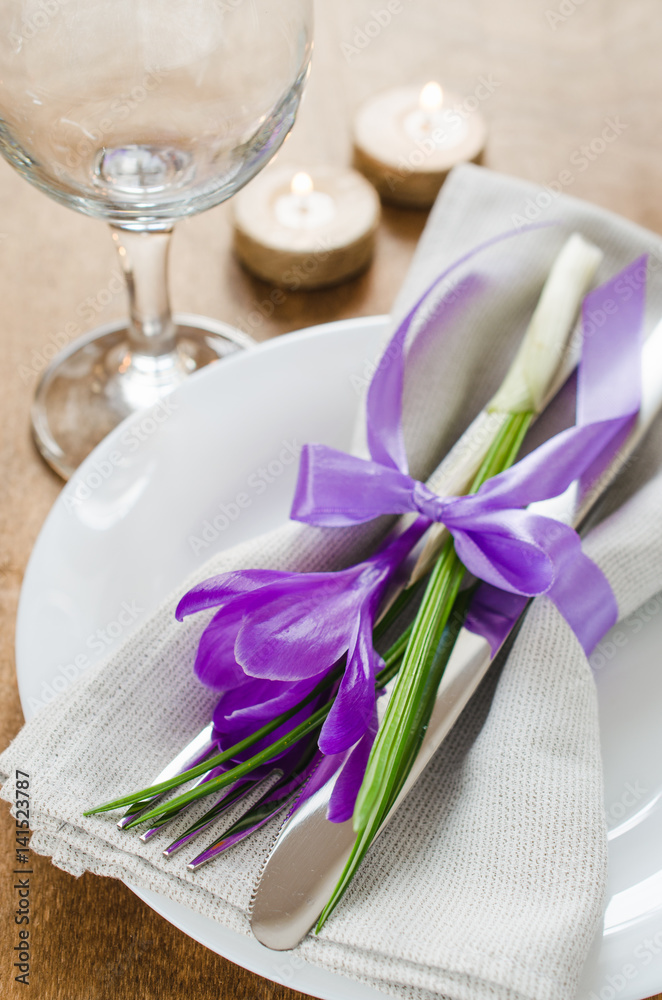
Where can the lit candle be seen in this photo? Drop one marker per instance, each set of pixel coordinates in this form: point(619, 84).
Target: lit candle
point(309, 229)
point(407, 139)
point(304, 207)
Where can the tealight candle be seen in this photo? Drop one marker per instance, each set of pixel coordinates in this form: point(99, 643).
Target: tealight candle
point(301, 229)
point(407, 139)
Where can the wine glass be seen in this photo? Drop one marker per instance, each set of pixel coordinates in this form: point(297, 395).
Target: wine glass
point(140, 112)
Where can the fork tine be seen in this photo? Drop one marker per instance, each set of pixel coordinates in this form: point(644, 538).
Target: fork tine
point(276, 798)
point(272, 802)
point(255, 817)
point(168, 817)
point(192, 755)
point(228, 799)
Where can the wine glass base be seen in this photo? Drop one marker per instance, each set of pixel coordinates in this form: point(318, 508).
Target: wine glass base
point(88, 389)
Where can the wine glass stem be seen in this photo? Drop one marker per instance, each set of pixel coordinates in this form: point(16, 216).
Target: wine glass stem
point(144, 260)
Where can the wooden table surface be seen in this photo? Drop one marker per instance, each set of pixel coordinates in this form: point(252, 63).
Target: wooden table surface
point(558, 71)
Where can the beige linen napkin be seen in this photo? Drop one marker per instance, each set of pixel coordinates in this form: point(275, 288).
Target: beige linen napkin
point(489, 881)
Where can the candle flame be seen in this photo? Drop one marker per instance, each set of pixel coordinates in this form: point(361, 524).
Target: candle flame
point(302, 184)
point(432, 97)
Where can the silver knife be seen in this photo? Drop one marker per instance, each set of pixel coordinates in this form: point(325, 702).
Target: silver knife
point(310, 852)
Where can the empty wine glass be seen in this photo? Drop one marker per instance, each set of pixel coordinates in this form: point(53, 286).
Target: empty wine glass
point(140, 112)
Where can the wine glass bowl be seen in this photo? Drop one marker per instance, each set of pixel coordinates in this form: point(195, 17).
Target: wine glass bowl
point(141, 112)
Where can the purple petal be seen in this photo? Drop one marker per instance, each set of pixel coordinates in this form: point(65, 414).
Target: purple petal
point(493, 613)
point(300, 627)
point(346, 789)
point(350, 716)
point(257, 701)
point(215, 663)
point(217, 590)
point(229, 713)
point(322, 770)
point(228, 735)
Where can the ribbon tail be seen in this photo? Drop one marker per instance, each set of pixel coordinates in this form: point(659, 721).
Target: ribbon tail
point(384, 400)
point(584, 597)
point(608, 397)
point(493, 613)
point(580, 591)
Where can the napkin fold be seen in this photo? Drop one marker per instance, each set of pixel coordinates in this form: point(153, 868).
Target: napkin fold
point(489, 881)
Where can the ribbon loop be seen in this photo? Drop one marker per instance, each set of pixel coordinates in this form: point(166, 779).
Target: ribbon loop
point(496, 538)
point(336, 490)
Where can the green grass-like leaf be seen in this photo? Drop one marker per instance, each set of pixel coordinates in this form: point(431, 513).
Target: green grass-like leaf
point(392, 659)
point(428, 651)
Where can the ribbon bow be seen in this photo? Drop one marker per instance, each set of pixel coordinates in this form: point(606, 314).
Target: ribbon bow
point(496, 538)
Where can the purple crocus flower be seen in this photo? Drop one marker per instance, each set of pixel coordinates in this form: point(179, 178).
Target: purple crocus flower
point(352, 766)
point(276, 634)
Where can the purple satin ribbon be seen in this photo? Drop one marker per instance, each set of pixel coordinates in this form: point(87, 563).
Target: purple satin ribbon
point(514, 551)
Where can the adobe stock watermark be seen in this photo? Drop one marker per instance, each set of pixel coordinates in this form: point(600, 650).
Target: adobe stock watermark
point(262, 310)
point(447, 293)
point(642, 956)
point(88, 310)
point(117, 112)
point(257, 483)
point(84, 484)
point(371, 366)
point(364, 35)
point(581, 159)
point(98, 641)
point(285, 973)
point(426, 146)
point(606, 650)
point(625, 287)
point(565, 10)
point(40, 16)
point(632, 795)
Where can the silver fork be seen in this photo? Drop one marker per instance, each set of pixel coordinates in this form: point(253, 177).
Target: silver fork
point(275, 798)
point(194, 753)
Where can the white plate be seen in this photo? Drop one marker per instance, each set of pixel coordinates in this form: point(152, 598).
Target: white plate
point(153, 486)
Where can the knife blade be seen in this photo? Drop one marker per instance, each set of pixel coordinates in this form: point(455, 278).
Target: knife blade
point(310, 852)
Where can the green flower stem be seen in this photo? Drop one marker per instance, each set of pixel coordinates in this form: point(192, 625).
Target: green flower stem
point(392, 659)
point(310, 725)
point(396, 730)
point(240, 771)
point(399, 605)
point(392, 665)
point(408, 712)
point(263, 809)
point(368, 834)
point(221, 758)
